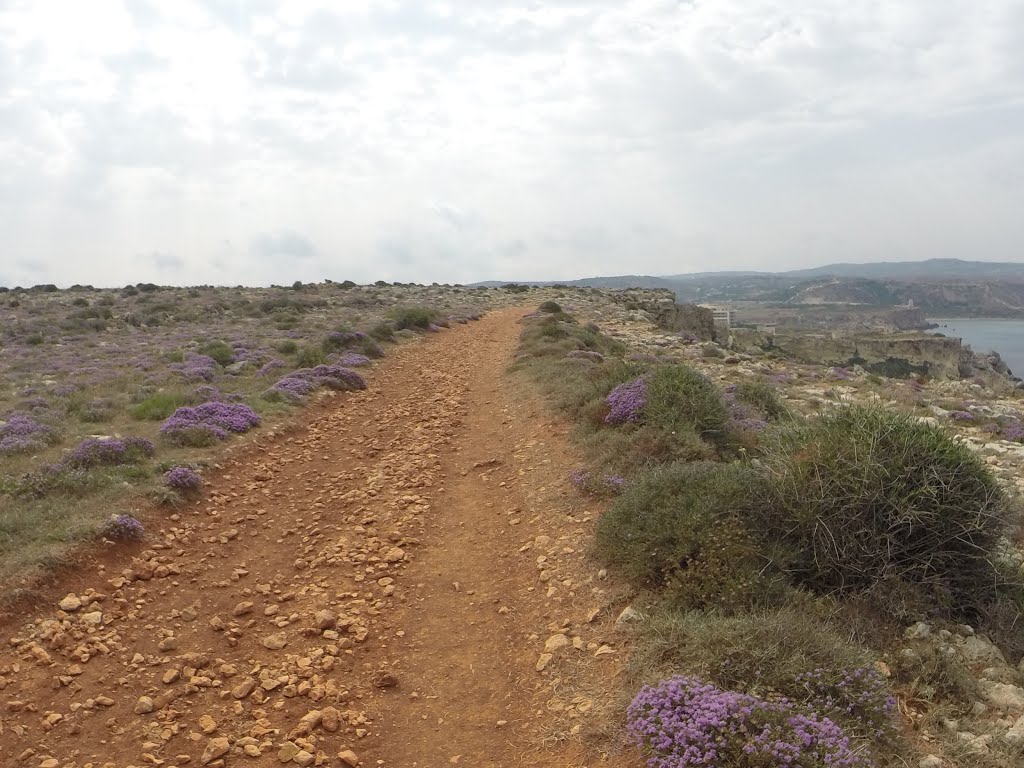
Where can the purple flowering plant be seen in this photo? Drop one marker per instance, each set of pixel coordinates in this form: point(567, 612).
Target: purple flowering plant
point(122, 528)
point(626, 402)
point(184, 480)
point(685, 721)
point(208, 423)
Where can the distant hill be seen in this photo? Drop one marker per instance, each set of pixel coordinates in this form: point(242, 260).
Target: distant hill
point(939, 287)
point(932, 270)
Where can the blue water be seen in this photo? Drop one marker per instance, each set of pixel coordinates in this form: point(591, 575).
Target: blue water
point(1004, 336)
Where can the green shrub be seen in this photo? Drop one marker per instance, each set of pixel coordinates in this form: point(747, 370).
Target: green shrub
point(413, 318)
point(219, 350)
point(286, 347)
point(551, 308)
point(310, 357)
point(159, 406)
point(383, 331)
point(680, 398)
point(761, 395)
point(867, 496)
point(680, 528)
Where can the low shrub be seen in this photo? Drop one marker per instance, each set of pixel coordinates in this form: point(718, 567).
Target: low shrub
point(761, 396)
point(383, 331)
point(159, 406)
point(311, 356)
point(551, 308)
point(679, 397)
point(414, 318)
point(867, 496)
point(122, 528)
point(679, 528)
point(286, 347)
point(183, 480)
point(218, 350)
point(796, 652)
point(208, 423)
point(686, 721)
point(96, 452)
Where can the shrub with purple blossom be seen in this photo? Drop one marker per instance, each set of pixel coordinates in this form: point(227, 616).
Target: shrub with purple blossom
point(300, 383)
point(207, 423)
point(684, 721)
point(122, 528)
point(21, 433)
point(961, 416)
point(353, 360)
point(197, 368)
point(1014, 432)
point(860, 695)
point(109, 452)
point(626, 402)
point(184, 480)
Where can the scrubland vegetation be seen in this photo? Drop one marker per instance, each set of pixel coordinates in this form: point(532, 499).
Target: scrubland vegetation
point(112, 401)
point(787, 568)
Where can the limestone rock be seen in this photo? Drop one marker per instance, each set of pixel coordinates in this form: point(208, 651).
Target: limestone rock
point(215, 748)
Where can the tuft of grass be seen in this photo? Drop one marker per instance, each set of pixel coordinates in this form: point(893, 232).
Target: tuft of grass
point(761, 396)
point(311, 356)
point(219, 350)
point(159, 406)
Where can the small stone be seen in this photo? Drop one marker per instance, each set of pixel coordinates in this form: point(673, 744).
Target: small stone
point(274, 642)
point(555, 643)
point(544, 660)
point(930, 761)
point(918, 631)
point(629, 615)
point(207, 724)
point(168, 644)
point(244, 688)
point(326, 620)
point(384, 679)
point(70, 603)
point(94, 617)
point(251, 750)
point(287, 751)
point(242, 609)
point(215, 748)
point(170, 676)
point(143, 706)
point(303, 758)
point(394, 555)
point(349, 758)
point(331, 720)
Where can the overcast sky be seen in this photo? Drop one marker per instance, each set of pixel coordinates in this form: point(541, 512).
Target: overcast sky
point(250, 141)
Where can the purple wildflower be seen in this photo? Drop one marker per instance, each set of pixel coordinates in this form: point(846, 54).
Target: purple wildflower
point(183, 479)
point(684, 721)
point(961, 416)
point(108, 452)
point(353, 360)
point(626, 401)
point(209, 422)
point(123, 528)
point(1014, 432)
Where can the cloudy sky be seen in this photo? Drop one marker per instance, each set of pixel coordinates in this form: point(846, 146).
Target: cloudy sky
point(251, 141)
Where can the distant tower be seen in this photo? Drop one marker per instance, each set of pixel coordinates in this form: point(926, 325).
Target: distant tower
point(910, 304)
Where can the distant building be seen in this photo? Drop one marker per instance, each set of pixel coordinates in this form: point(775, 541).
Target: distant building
point(722, 314)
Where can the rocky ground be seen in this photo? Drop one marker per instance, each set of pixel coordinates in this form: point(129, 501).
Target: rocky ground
point(399, 582)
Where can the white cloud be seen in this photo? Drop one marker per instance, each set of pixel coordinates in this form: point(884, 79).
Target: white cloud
point(460, 140)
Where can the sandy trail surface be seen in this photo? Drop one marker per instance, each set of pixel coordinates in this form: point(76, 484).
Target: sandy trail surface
point(396, 583)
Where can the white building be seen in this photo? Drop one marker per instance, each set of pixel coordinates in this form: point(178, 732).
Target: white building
point(722, 314)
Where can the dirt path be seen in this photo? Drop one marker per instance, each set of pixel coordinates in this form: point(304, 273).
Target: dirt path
point(379, 586)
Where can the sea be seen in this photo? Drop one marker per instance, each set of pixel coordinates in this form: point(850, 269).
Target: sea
point(985, 335)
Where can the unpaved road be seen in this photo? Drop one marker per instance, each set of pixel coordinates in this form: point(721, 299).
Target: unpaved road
point(379, 585)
